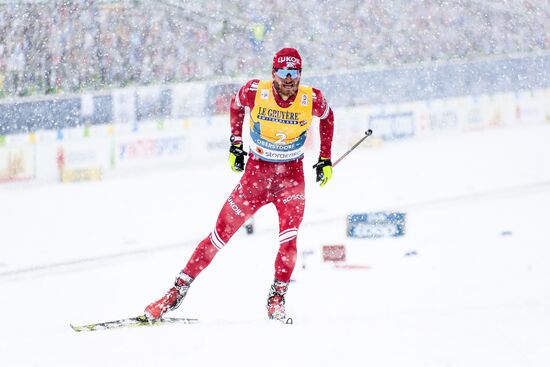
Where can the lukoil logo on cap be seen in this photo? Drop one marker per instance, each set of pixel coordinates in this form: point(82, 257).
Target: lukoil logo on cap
point(287, 58)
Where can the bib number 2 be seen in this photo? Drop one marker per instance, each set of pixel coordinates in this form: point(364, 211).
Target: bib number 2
point(282, 138)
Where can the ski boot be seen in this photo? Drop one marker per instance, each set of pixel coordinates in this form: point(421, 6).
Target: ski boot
point(171, 300)
point(276, 302)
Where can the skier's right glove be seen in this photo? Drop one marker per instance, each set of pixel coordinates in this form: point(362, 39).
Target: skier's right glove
point(236, 157)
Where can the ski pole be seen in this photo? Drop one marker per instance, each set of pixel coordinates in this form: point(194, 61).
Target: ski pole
point(367, 134)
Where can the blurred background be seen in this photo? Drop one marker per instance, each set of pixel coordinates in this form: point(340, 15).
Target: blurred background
point(110, 70)
point(428, 247)
point(72, 46)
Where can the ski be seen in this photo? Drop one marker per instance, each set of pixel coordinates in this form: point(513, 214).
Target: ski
point(132, 322)
point(285, 321)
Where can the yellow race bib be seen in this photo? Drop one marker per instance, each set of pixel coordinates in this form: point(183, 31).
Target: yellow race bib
point(278, 134)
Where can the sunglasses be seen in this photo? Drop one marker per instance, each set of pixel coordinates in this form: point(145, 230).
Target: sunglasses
point(283, 73)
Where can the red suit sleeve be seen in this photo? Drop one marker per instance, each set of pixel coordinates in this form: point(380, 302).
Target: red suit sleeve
point(244, 98)
point(322, 110)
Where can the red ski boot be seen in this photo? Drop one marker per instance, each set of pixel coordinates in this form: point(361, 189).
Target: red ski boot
point(171, 300)
point(276, 301)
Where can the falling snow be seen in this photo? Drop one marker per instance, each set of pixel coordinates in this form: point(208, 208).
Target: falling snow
point(114, 133)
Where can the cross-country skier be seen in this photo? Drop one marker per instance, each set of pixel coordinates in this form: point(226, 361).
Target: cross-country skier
point(281, 111)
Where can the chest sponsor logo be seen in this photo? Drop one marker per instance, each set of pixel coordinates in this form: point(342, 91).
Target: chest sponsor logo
point(264, 94)
point(283, 117)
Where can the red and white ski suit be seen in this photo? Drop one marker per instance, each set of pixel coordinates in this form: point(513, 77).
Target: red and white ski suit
point(264, 182)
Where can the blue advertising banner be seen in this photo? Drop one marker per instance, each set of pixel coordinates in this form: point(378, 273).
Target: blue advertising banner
point(376, 225)
point(393, 125)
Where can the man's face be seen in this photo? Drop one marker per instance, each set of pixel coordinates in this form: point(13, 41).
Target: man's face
point(286, 81)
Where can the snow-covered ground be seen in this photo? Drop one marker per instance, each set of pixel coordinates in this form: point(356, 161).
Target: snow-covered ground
point(477, 292)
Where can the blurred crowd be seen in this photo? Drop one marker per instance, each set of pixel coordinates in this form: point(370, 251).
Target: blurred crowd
point(73, 46)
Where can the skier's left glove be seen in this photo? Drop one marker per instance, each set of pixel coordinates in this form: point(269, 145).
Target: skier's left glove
point(324, 170)
point(236, 155)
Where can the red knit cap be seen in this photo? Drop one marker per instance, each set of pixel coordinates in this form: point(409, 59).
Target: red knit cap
point(287, 58)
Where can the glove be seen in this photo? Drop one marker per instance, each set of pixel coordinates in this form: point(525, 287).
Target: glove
point(324, 170)
point(236, 157)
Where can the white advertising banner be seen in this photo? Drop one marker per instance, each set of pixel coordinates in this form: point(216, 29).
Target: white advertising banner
point(139, 150)
point(188, 99)
point(83, 159)
point(531, 107)
point(90, 153)
point(87, 105)
point(124, 106)
point(86, 153)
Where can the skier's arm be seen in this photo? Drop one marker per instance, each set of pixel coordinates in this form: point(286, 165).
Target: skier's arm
point(236, 116)
point(326, 129)
point(322, 110)
point(243, 98)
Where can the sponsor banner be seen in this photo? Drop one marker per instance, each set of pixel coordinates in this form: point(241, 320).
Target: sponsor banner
point(274, 152)
point(391, 126)
point(150, 148)
point(441, 116)
point(84, 174)
point(489, 109)
point(203, 140)
point(421, 112)
point(480, 112)
point(83, 154)
point(531, 107)
point(146, 149)
point(349, 127)
point(17, 162)
point(334, 253)
point(175, 141)
point(344, 133)
point(443, 120)
point(507, 107)
point(495, 110)
point(376, 225)
point(84, 159)
point(210, 139)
